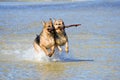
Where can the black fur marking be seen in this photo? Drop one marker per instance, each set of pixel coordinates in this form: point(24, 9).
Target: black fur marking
point(37, 39)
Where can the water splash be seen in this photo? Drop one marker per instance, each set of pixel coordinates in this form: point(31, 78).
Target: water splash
point(31, 55)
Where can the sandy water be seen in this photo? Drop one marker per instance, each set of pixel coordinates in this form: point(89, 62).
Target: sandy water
point(94, 46)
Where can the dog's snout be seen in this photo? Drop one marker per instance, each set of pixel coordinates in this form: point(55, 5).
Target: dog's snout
point(59, 27)
point(50, 29)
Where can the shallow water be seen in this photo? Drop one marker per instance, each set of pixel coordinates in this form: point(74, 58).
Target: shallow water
point(94, 46)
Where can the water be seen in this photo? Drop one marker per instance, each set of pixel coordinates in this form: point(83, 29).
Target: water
point(94, 46)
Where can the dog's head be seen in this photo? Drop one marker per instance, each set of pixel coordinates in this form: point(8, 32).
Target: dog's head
point(59, 25)
point(48, 26)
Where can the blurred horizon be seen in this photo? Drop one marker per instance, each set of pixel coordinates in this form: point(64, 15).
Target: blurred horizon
point(56, 0)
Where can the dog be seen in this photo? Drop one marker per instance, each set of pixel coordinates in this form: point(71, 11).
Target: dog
point(45, 40)
point(61, 38)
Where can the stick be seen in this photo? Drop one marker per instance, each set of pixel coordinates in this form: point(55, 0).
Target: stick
point(72, 25)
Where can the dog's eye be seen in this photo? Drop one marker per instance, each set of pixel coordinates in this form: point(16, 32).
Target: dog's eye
point(48, 26)
point(58, 24)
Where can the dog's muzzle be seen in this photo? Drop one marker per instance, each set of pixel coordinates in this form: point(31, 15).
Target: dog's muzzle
point(51, 30)
point(60, 28)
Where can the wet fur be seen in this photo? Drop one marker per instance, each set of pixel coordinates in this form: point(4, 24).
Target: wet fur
point(45, 40)
point(61, 38)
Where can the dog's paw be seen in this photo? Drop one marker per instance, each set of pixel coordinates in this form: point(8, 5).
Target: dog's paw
point(50, 54)
point(67, 50)
point(60, 49)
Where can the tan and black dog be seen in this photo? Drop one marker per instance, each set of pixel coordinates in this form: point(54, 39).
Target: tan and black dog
point(46, 38)
point(61, 38)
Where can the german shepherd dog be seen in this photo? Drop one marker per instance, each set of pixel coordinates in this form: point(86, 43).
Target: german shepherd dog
point(61, 38)
point(46, 39)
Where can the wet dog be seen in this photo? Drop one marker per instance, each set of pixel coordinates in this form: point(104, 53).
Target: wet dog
point(46, 38)
point(61, 38)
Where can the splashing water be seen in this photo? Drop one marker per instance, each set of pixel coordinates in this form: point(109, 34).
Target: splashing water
point(31, 55)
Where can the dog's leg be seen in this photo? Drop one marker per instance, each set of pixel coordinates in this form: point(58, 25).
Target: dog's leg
point(36, 47)
point(45, 50)
point(66, 47)
point(60, 49)
point(52, 51)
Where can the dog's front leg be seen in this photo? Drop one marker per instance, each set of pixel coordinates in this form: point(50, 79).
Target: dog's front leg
point(52, 51)
point(45, 50)
point(66, 47)
point(60, 49)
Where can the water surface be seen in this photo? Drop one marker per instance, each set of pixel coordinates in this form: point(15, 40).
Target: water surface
point(94, 46)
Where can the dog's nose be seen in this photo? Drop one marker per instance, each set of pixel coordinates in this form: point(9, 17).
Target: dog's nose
point(50, 29)
point(61, 28)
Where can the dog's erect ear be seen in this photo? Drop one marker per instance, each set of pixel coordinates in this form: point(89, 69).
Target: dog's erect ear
point(51, 20)
point(54, 19)
point(43, 23)
point(61, 20)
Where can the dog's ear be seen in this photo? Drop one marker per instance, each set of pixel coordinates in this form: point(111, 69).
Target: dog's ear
point(54, 19)
point(61, 20)
point(43, 23)
point(51, 20)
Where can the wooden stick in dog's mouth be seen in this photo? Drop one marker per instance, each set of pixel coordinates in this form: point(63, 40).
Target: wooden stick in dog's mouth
point(75, 25)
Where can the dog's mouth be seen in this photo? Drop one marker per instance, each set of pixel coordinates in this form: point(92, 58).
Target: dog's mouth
point(60, 28)
point(51, 30)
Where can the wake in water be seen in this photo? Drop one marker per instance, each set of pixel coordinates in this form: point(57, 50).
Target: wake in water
point(31, 55)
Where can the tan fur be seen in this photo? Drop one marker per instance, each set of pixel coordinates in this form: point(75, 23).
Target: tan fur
point(61, 38)
point(46, 40)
